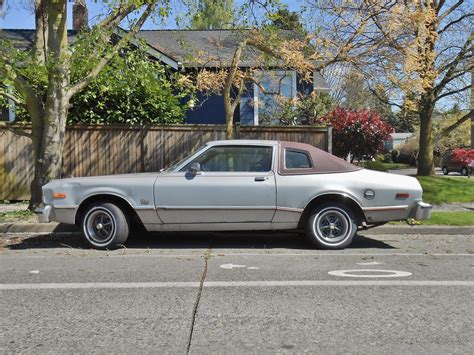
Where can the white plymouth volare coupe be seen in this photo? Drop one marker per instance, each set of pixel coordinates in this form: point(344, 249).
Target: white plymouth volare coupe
point(238, 185)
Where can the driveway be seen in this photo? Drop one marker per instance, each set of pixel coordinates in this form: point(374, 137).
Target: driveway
point(237, 293)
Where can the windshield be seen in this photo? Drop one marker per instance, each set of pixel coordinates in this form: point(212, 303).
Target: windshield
point(178, 161)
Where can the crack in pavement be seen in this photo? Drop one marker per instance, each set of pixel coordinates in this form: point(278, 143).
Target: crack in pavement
point(207, 256)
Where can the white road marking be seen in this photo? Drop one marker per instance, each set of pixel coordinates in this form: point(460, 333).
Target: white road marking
point(370, 273)
point(223, 254)
point(34, 272)
point(370, 263)
point(253, 268)
point(231, 266)
point(291, 283)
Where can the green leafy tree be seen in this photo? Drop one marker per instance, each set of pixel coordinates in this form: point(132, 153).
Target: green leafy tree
point(132, 90)
point(54, 56)
point(287, 20)
point(212, 14)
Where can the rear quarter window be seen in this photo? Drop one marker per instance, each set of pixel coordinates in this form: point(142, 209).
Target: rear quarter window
point(297, 160)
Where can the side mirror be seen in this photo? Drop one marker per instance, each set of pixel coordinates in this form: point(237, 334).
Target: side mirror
point(195, 168)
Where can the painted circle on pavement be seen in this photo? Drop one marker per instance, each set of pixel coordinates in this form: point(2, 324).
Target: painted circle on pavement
point(369, 273)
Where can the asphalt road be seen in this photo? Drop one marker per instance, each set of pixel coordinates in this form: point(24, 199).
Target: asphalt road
point(237, 293)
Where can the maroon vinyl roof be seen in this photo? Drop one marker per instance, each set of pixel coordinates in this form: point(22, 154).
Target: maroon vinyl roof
point(322, 162)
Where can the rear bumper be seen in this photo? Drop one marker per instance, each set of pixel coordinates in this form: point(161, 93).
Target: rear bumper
point(45, 214)
point(420, 211)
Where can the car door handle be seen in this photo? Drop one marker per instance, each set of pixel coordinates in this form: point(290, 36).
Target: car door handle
point(260, 178)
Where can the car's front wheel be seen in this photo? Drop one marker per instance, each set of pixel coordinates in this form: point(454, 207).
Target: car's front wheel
point(445, 170)
point(464, 171)
point(105, 226)
point(332, 225)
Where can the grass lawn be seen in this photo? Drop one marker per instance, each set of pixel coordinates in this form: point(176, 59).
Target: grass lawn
point(396, 166)
point(455, 218)
point(445, 218)
point(17, 216)
point(438, 190)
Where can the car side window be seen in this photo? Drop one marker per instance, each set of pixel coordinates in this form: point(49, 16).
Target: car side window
point(297, 160)
point(235, 159)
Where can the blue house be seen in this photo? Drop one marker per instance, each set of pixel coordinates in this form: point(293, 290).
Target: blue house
point(191, 50)
point(215, 49)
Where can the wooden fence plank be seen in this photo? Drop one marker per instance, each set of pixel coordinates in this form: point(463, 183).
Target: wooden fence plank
point(114, 149)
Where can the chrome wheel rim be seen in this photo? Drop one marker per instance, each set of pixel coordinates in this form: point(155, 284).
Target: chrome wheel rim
point(332, 226)
point(100, 226)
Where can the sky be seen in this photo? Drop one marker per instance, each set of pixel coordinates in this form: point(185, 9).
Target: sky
point(17, 13)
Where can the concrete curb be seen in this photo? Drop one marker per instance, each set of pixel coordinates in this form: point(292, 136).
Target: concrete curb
point(433, 229)
point(388, 229)
point(37, 228)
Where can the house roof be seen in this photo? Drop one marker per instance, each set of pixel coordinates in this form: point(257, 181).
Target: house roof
point(181, 48)
point(200, 48)
point(401, 135)
point(23, 38)
point(188, 48)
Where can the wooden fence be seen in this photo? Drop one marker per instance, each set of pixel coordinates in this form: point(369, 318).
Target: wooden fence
point(103, 150)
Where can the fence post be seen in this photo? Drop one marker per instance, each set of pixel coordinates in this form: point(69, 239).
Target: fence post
point(237, 130)
point(329, 139)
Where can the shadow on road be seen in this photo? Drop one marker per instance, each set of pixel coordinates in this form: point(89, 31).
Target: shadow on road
point(195, 240)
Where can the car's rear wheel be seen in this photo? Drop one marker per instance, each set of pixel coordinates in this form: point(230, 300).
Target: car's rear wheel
point(464, 171)
point(332, 225)
point(105, 226)
point(445, 170)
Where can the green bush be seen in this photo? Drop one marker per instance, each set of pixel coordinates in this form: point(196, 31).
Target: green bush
point(408, 152)
point(374, 165)
point(131, 89)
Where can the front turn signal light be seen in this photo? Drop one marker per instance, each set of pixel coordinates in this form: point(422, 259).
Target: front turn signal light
point(59, 195)
point(402, 195)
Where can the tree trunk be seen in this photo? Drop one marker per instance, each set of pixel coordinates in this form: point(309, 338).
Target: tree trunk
point(425, 154)
point(49, 129)
point(229, 116)
point(40, 48)
point(48, 143)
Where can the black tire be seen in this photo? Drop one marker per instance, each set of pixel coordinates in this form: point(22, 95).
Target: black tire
point(464, 171)
point(105, 226)
point(445, 170)
point(331, 225)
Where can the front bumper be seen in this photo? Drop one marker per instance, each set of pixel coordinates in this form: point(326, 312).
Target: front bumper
point(45, 214)
point(421, 211)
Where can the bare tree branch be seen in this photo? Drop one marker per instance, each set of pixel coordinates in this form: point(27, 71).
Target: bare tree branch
point(451, 67)
point(382, 99)
point(15, 129)
point(22, 86)
point(455, 22)
point(10, 96)
point(459, 122)
point(452, 92)
point(450, 10)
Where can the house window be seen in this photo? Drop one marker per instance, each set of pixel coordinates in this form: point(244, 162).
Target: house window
point(7, 113)
point(257, 106)
point(273, 87)
point(297, 160)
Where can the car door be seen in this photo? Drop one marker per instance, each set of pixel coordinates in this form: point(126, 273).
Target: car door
point(235, 184)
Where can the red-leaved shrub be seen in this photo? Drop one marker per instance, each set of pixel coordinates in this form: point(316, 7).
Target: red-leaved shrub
point(358, 132)
point(465, 156)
